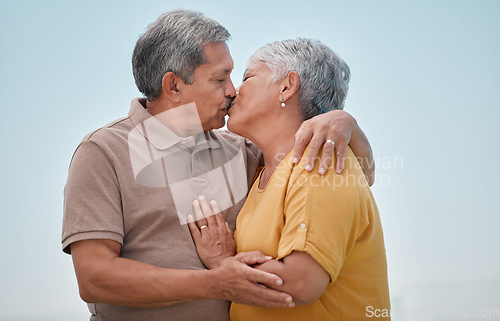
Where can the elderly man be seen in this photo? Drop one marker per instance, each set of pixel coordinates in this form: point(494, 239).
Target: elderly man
point(131, 183)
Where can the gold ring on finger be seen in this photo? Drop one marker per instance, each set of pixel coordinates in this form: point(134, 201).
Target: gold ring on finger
point(330, 141)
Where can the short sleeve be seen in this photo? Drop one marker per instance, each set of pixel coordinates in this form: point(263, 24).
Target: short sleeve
point(92, 201)
point(324, 215)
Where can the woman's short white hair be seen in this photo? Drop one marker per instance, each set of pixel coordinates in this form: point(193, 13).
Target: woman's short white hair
point(324, 76)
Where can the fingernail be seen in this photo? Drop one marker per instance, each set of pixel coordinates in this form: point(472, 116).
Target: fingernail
point(291, 305)
point(269, 257)
point(195, 202)
point(213, 202)
point(288, 300)
point(338, 171)
point(295, 160)
point(309, 167)
point(201, 197)
point(190, 218)
point(322, 170)
point(279, 282)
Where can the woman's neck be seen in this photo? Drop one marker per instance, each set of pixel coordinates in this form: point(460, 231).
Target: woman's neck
point(276, 143)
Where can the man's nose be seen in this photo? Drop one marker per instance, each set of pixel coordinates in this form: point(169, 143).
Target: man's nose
point(230, 90)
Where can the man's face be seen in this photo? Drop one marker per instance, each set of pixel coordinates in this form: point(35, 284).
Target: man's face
point(212, 89)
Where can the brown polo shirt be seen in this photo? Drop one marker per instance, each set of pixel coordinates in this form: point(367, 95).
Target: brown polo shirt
point(133, 181)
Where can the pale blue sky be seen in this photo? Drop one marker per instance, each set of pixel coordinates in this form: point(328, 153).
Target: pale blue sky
point(425, 79)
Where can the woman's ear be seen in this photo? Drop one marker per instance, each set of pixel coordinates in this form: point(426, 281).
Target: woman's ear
point(291, 85)
point(169, 87)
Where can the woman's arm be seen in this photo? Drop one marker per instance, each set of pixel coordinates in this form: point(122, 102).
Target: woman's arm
point(303, 278)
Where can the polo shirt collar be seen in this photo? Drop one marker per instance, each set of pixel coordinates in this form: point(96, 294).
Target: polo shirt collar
point(159, 135)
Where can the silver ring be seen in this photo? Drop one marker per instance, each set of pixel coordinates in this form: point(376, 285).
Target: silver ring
point(330, 141)
point(202, 227)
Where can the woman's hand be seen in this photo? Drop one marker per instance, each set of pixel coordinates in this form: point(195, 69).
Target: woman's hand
point(211, 233)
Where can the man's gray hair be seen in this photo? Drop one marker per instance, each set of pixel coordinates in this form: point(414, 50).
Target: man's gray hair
point(174, 42)
point(324, 76)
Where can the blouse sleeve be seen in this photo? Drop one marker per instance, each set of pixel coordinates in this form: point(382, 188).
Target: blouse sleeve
point(325, 215)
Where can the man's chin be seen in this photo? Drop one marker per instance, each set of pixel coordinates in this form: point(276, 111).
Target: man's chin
point(216, 124)
point(222, 122)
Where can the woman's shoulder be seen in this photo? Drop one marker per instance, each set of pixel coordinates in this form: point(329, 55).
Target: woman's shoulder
point(351, 176)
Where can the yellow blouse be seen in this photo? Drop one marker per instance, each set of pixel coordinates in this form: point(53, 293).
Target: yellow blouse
point(331, 217)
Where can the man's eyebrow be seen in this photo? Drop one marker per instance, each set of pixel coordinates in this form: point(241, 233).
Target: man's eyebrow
point(225, 71)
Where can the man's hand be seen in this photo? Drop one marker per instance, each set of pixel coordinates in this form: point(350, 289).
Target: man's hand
point(335, 126)
point(212, 236)
point(104, 277)
point(237, 281)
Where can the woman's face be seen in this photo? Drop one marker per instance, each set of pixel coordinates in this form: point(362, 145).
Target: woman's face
point(256, 101)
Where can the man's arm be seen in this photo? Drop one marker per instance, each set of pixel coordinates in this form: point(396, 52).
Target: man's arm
point(303, 278)
point(105, 277)
point(341, 128)
point(93, 203)
point(363, 152)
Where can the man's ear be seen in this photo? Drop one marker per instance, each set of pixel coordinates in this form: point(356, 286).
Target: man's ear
point(169, 87)
point(290, 85)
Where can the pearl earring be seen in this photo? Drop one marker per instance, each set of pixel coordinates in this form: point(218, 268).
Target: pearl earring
point(282, 102)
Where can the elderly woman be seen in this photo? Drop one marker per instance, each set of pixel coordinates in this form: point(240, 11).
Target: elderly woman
point(324, 232)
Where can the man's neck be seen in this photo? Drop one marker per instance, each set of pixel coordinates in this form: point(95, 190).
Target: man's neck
point(155, 106)
point(182, 120)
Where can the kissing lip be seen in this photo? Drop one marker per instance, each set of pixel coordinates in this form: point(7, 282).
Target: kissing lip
point(228, 106)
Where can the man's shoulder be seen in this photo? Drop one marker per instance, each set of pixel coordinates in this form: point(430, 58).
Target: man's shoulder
point(109, 139)
point(118, 128)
